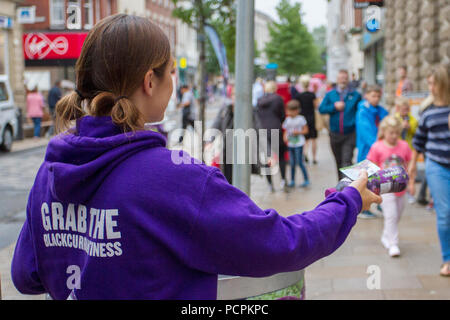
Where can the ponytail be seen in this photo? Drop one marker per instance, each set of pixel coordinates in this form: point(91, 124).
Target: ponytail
point(68, 108)
point(122, 110)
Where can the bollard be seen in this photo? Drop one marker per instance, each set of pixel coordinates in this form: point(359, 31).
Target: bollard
point(19, 135)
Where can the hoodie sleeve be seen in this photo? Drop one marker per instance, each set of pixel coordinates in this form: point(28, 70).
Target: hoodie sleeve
point(23, 266)
point(232, 235)
point(327, 106)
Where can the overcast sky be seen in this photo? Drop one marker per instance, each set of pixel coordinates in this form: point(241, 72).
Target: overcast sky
point(315, 11)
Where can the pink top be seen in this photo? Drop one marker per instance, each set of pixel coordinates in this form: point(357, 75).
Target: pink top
point(35, 105)
point(385, 156)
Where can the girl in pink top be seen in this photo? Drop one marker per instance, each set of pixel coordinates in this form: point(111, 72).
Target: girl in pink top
point(390, 151)
point(35, 110)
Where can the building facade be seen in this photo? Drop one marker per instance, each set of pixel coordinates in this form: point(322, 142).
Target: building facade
point(417, 35)
point(160, 12)
point(54, 33)
point(11, 57)
point(262, 34)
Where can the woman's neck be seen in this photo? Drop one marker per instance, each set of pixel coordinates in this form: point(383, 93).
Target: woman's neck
point(439, 103)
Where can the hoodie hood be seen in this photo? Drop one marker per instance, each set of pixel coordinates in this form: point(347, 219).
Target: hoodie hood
point(77, 161)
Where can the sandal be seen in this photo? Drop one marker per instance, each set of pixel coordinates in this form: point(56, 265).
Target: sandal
point(445, 270)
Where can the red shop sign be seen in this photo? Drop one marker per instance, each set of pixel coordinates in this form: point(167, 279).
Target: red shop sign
point(40, 46)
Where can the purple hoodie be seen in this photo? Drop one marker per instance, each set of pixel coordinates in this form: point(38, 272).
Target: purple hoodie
point(111, 216)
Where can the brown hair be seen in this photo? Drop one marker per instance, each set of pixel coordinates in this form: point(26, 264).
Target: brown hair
point(115, 57)
point(374, 88)
point(293, 105)
point(441, 76)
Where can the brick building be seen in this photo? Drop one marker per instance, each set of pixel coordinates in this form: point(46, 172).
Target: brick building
point(160, 12)
point(54, 36)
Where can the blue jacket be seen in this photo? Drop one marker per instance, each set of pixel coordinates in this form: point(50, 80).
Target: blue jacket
point(342, 122)
point(367, 119)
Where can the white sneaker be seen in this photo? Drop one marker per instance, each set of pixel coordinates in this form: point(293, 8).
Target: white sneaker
point(394, 251)
point(385, 243)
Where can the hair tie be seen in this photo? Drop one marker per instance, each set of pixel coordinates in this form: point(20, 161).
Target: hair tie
point(79, 94)
point(120, 98)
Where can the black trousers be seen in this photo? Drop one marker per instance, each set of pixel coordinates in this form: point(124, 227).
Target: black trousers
point(186, 121)
point(342, 146)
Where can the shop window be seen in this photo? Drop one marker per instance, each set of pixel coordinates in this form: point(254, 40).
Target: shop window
point(57, 14)
point(88, 14)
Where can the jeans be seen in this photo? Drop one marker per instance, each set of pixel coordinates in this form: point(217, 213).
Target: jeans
point(296, 157)
point(37, 126)
point(438, 178)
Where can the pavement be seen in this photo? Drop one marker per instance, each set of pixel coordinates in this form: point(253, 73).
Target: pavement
point(346, 274)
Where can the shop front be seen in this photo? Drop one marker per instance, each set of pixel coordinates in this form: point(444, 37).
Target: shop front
point(50, 57)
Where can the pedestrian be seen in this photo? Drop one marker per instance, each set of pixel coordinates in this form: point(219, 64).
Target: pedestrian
point(432, 139)
point(404, 85)
point(409, 124)
point(257, 91)
point(113, 214)
point(35, 110)
point(271, 114)
point(187, 104)
point(390, 151)
point(341, 104)
point(296, 127)
point(403, 112)
point(54, 95)
point(355, 83)
point(224, 122)
point(309, 103)
point(368, 118)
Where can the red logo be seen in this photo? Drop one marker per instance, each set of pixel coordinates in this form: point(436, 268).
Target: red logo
point(40, 46)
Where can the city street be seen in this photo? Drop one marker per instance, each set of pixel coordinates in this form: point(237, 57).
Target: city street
point(343, 275)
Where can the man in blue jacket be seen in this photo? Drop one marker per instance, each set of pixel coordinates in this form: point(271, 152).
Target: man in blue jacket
point(341, 104)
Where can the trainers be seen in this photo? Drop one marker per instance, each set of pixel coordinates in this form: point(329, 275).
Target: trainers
point(394, 251)
point(305, 184)
point(385, 243)
point(367, 215)
point(411, 198)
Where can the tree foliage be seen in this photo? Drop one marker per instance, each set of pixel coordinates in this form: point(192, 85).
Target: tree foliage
point(292, 47)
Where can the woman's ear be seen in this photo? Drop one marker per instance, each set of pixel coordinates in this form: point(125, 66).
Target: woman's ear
point(148, 83)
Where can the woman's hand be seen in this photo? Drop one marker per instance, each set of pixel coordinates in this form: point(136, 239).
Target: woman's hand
point(367, 196)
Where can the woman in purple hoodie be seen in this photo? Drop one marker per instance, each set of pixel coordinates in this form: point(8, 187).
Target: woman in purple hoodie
point(114, 214)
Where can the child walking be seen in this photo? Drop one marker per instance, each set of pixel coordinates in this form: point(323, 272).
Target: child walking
point(409, 123)
point(390, 151)
point(368, 118)
point(296, 128)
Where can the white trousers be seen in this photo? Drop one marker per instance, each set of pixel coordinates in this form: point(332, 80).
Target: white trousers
point(393, 207)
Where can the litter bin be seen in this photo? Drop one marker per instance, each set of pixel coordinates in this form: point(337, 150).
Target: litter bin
point(284, 286)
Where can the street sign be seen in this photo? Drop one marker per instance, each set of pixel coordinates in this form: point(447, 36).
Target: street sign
point(5, 22)
point(361, 4)
point(26, 15)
